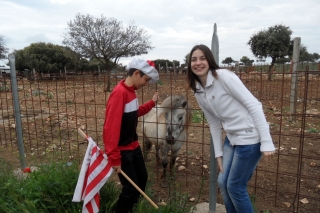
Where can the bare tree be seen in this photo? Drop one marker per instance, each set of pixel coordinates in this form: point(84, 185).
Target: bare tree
point(3, 49)
point(106, 39)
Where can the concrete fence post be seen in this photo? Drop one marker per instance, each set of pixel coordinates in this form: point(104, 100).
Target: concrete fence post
point(213, 162)
point(294, 77)
point(237, 68)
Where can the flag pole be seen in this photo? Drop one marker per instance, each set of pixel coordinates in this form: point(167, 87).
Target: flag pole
point(137, 187)
point(124, 174)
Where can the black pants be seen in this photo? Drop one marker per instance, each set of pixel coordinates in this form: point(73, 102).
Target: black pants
point(132, 164)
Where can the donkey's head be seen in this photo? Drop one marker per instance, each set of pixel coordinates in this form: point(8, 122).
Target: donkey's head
point(176, 119)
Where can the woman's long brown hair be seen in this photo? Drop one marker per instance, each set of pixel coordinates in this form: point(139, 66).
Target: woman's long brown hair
point(191, 77)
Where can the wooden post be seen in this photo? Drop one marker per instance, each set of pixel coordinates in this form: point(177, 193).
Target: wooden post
point(167, 71)
point(34, 75)
point(237, 68)
point(294, 77)
point(166, 67)
point(174, 72)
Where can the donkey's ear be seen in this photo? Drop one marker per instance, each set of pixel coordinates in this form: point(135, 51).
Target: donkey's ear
point(184, 104)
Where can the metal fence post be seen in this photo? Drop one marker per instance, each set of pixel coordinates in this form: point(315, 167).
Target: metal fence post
point(17, 113)
point(213, 162)
point(213, 180)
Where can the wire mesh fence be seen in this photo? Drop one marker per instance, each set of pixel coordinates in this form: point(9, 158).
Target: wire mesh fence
point(52, 109)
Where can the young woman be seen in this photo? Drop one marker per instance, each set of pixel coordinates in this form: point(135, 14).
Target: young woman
point(228, 104)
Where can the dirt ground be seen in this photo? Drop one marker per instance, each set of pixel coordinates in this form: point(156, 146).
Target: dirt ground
point(289, 182)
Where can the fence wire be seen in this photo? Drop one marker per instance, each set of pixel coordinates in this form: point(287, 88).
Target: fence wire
point(53, 108)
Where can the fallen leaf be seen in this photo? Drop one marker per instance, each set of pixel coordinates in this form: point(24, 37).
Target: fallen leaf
point(287, 204)
point(192, 199)
point(181, 168)
point(304, 200)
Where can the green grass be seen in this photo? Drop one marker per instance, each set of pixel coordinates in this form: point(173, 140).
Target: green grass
point(286, 109)
point(313, 130)
point(197, 116)
point(253, 202)
point(69, 102)
point(5, 88)
point(160, 82)
point(51, 188)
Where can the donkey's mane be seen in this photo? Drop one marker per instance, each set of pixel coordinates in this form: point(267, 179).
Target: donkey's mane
point(174, 102)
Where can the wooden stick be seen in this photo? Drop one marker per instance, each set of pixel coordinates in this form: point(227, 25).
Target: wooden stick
point(137, 187)
point(82, 133)
point(124, 174)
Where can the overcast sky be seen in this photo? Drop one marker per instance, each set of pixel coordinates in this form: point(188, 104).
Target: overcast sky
point(175, 26)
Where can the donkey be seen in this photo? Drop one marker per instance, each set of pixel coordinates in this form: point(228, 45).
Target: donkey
point(166, 127)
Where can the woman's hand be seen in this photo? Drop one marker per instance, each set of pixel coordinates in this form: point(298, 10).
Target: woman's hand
point(219, 161)
point(268, 155)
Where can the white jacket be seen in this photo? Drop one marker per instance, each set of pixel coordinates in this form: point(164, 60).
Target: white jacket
point(226, 101)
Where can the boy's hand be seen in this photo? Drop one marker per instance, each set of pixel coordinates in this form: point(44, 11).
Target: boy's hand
point(155, 97)
point(117, 169)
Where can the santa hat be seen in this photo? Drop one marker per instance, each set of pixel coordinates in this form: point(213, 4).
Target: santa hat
point(147, 67)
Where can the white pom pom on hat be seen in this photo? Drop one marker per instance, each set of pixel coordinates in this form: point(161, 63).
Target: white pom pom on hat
point(147, 67)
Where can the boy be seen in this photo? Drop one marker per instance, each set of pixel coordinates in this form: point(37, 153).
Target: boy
point(119, 130)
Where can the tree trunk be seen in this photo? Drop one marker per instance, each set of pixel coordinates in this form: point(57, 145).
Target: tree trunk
point(270, 69)
point(109, 80)
point(108, 69)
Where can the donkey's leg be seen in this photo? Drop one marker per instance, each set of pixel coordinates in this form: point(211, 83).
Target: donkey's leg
point(174, 154)
point(157, 154)
point(173, 159)
point(147, 145)
point(164, 160)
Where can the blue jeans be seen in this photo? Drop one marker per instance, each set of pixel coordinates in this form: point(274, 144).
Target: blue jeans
point(239, 163)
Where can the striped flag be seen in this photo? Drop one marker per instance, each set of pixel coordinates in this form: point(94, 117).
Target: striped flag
point(94, 173)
